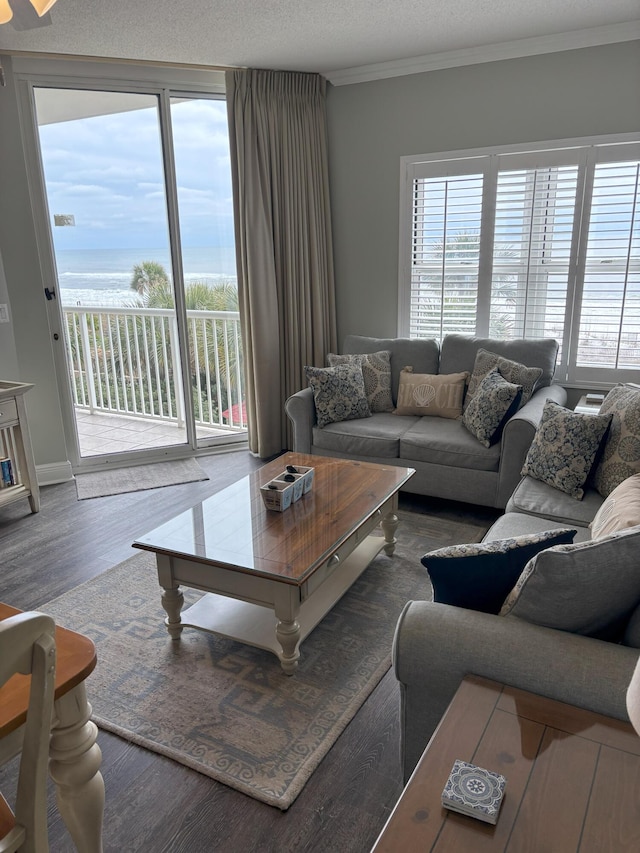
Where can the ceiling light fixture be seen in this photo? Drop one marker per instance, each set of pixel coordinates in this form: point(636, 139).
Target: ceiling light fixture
point(41, 7)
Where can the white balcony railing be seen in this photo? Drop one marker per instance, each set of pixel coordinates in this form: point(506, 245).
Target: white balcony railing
point(125, 361)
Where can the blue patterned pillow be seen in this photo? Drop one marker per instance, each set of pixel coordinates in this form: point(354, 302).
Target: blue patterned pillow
point(564, 448)
point(480, 576)
point(491, 407)
point(338, 393)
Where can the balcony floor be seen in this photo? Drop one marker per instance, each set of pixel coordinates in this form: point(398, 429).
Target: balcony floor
point(105, 433)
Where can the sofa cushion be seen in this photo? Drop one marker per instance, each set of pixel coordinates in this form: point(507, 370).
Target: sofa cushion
point(431, 395)
point(512, 371)
point(632, 631)
point(447, 442)
point(422, 354)
point(378, 436)
point(564, 447)
point(518, 524)
point(621, 455)
point(586, 588)
point(338, 393)
point(458, 352)
point(620, 510)
point(533, 497)
point(376, 372)
point(479, 576)
point(494, 402)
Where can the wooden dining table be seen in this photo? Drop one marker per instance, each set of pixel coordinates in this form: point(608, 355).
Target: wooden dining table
point(74, 755)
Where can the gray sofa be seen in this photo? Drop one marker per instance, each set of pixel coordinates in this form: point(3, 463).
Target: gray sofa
point(449, 461)
point(436, 645)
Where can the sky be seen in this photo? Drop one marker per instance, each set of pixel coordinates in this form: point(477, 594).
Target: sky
point(106, 171)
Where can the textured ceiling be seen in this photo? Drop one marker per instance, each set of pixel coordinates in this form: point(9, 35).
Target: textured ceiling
point(305, 35)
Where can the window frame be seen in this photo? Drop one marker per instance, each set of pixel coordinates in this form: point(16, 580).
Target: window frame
point(584, 153)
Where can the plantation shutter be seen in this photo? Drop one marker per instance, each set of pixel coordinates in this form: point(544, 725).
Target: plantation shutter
point(532, 265)
point(609, 326)
point(445, 253)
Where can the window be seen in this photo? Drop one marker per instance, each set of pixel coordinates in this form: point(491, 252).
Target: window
point(533, 243)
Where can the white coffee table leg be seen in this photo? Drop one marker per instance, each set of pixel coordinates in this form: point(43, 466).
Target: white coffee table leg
point(172, 601)
point(74, 765)
point(288, 635)
point(389, 526)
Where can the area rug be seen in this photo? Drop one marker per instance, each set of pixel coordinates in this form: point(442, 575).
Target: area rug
point(117, 481)
point(228, 710)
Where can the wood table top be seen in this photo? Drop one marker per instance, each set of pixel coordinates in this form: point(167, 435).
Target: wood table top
point(233, 529)
point(573, 778)
point(75, 659)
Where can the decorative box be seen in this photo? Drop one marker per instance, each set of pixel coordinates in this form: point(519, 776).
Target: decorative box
point(277, 495)
point(474, 791)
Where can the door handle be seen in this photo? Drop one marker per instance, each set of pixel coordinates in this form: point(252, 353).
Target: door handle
point(50, 294)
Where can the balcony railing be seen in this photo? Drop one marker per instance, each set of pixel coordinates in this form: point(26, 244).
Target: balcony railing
point(126, 361)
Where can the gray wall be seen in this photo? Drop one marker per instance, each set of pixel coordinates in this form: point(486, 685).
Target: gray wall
point(372, 125)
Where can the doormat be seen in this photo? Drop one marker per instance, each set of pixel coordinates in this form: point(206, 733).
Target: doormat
point(226, 709)
point(117, 481)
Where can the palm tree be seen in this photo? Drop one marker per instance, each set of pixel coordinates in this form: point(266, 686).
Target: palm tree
point(147, 276)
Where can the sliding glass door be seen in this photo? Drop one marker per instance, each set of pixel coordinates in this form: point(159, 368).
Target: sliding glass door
point(138, 191)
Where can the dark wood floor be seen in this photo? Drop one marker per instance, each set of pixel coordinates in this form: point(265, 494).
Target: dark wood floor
point(152, 803)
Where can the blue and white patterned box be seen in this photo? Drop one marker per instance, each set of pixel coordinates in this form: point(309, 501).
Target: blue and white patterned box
point(474, 791)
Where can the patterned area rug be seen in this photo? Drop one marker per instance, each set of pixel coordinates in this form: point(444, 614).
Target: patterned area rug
point(117, 481)
point(225, 709)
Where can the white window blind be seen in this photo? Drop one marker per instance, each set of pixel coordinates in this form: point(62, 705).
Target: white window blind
point(538, 243)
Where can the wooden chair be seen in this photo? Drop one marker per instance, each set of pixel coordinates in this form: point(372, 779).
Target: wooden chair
point(28, 648)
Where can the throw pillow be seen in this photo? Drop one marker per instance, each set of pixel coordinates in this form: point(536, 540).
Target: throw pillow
point(564, 447)
point(621, 455)
point(376, 372)
point(481, 575)
point(586, 588)
point(438, 395)
point(338, 393)
point(491, 407)
point(513, 371)
point(620, 510)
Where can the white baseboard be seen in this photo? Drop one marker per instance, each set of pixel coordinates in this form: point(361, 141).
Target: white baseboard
point(54, 472)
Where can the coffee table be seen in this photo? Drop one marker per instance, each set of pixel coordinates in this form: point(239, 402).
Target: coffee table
point(572, 778)
point(270, 577)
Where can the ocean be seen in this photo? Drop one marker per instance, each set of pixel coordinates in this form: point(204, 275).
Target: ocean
point(102, 276)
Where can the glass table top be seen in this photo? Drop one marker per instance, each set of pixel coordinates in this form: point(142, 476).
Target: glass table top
point(234, 529)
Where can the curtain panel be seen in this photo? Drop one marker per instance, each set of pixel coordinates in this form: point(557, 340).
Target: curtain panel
point(279, 164)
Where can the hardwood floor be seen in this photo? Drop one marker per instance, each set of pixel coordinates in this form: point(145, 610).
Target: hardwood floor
point(152, 803)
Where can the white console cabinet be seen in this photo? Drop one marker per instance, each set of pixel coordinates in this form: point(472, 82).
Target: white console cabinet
point(15, 443)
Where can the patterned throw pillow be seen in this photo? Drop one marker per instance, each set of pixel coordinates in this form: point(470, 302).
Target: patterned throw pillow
point(376, 371)
point(621, 456)
point(564, 447)
point(481, 575)
point(512, 371)
point(586, 588)
point(338, 393)
point(426, 394)
point(620, 510)
point(491, 407)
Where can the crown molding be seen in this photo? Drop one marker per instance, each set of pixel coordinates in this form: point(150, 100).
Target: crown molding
point(554, 43)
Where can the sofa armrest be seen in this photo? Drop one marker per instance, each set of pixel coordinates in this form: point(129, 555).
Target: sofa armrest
point(301, 411)
point(436, 645)
point(517, 437)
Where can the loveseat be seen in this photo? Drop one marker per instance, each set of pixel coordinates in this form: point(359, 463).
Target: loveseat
point(437, 644)
point(450, 462)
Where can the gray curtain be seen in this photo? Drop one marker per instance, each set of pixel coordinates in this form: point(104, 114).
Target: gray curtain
point(279, 164)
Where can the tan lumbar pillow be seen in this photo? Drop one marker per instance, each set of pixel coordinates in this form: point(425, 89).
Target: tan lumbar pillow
point(620, 510)
point(434, 395)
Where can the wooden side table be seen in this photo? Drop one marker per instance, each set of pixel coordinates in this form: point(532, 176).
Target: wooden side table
point(573, 778)
point(15, 444)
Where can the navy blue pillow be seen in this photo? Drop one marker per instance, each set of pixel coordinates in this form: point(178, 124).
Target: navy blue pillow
point(480, 576)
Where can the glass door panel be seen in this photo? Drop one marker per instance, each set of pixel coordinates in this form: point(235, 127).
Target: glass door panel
point(105, 186)
point(205, 209)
